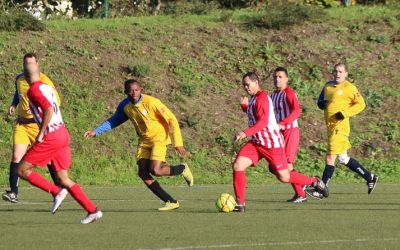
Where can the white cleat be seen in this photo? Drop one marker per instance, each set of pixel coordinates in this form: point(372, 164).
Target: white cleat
point(58, 199)
point(92, 217)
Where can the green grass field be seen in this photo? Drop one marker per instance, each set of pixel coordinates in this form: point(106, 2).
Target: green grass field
point(348, 219)
point(194, 64)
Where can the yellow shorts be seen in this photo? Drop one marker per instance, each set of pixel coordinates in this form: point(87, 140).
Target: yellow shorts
point(156, 152)
point(338, 144)
point(25, 133)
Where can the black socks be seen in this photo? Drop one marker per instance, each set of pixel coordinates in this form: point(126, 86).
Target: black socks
point(14, 177)
point(177, 170)
point(359, 169)
point(328, 172)
point(160, 192)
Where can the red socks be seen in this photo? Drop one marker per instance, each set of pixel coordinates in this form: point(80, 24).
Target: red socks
point(297, 178)
point(239, 185)
point(298, 189)
point(39, 181)
point(81, 198)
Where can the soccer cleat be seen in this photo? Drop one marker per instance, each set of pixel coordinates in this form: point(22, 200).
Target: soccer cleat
point(58, 199)
point(313, 193)
point(10, 196)
point(371, 184)
point(92, 217)
point(293, 198)
point(297, 199)
point(239, 208)
point(321, 187)
point(187, 174)
point(169, 206)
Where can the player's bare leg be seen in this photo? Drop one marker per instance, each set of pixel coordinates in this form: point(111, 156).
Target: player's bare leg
point(158, 168)
point(19, 151)
point(144, 172)
point(26, 172)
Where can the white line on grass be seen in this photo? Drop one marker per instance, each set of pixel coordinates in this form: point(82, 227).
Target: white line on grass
point(284, 243)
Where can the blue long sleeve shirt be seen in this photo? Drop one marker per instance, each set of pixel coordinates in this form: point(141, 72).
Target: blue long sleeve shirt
point(115, 120)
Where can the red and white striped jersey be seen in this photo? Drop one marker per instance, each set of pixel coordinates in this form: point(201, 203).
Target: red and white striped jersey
point(286, 107)
point(263, 128)
point(43, 97)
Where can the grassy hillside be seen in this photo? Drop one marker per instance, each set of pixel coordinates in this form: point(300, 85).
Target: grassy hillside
point(194, 64)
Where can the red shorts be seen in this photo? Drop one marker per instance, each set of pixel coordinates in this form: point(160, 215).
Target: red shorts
point(275, 156)
point(54, 149)
point(292, 140)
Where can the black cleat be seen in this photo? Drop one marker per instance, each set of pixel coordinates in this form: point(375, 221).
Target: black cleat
point(298, 199)
point(239, 208)
point(293, 198)
point(10, 196)
point(372, 184)
point(321, 187)
point(314, 194)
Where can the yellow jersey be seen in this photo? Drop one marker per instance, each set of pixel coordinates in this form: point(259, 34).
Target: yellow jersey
point(344, 98)
point(152, 120)
point(22, 87)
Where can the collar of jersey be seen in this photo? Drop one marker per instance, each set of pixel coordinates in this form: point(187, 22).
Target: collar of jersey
point(36, 82)
point(138, 101)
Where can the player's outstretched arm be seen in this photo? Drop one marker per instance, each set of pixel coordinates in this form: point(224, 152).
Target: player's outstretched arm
point(90, 134)
point(114, 121)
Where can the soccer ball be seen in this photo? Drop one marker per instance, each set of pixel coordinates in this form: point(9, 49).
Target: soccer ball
point(225, 203)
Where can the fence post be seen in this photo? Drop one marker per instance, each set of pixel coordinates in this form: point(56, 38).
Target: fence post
point(106, 7)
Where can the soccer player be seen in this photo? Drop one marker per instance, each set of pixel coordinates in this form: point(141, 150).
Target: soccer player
point(152, 121)
point(341, 100)
point(52, 145)
point(287, 111)
point(266, 142)
point(26, 129)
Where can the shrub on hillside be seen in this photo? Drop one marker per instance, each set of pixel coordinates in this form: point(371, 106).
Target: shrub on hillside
point(138, 70)
point(282, 15)
point(18, 20)
point(323, 3)
point(196, 7)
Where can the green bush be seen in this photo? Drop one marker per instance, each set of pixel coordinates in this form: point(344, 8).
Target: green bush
point(323, 3)
point(373, 99)
point(196, 7)
point(281, 15)
point(234, 3)
point(139, 70)
point(19, 20)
